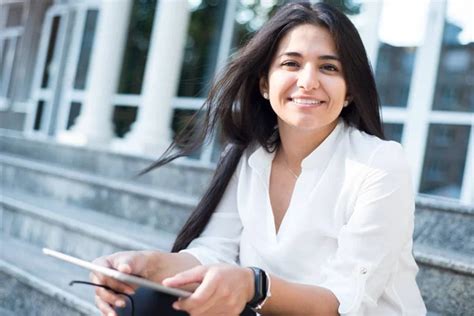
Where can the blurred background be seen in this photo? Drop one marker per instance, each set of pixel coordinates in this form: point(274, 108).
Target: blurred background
point(422, 53)
point(92, 90)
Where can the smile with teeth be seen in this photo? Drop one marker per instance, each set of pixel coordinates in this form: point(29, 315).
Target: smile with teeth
point(307, 101)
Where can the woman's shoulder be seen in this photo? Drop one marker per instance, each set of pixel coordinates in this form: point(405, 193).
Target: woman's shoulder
point(375, 152)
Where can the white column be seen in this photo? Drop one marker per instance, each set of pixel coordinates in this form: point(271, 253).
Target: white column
point(94, 125)
point(151, 132)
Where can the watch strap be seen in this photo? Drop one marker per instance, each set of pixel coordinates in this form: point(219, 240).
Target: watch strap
point(260, 286)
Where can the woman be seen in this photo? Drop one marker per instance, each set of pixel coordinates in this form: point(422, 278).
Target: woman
point(307, 192)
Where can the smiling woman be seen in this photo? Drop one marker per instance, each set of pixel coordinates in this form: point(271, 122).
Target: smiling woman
point(310, 211)
point(305, 83)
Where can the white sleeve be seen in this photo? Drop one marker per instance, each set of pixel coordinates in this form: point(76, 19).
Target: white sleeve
point(370, 244)
point(220, 240)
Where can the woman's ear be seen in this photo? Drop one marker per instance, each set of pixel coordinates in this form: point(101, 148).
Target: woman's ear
point(263, 86)
point(348, 100)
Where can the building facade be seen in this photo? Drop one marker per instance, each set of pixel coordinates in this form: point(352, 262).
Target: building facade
point(127, 75)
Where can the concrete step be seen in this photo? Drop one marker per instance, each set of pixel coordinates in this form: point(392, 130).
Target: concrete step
point(137, 203)
point(445, 226)
point(444, 251)
point(446, 280)
point(81, 232)
point(34, 284)
point(183, 176)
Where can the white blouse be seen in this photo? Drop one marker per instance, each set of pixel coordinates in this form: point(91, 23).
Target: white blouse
point(348, 227)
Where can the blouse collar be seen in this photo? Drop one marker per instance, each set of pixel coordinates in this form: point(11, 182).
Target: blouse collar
point(318, 158)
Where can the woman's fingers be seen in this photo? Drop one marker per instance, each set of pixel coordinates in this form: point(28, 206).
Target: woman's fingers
point(221, 290)
point(204, 297)
point(119, 263)
point(112, 283)
point(104, 308)
point(110, 297)
point(129, 262)
point(193, 275)
point(104, 298)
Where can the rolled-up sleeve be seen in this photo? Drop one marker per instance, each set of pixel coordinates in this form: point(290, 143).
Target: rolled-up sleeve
point(219, 242)
point(372, 240)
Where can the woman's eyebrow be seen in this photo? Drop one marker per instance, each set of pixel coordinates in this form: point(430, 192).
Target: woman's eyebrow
point(291, 54)
point(322, 57)
point(329, 57)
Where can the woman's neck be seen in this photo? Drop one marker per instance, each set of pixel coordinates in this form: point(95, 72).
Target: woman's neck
point(297, 144)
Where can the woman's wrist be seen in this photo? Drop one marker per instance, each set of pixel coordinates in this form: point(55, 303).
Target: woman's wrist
point(250, 288)
point(261, 288)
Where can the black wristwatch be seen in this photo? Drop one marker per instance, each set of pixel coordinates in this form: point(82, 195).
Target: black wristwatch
point(262, 289)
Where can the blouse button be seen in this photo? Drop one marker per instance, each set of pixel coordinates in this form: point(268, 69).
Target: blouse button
point(363, 270)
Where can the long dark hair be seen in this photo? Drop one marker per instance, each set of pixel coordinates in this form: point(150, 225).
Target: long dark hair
point(245, 118)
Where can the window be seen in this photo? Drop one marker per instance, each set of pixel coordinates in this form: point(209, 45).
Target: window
point(50, 64)
point(74, 111)
point(455, 81)
point(11, 31)
point(202, 47)
point(393, 131)
point(397, 49)
point(250, 17)
point(14, 15)
point(138, 40)
point(86, 48)
point(445, 159)
point(123, 118)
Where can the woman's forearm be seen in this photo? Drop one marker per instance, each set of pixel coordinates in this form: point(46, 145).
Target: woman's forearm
point(298, 299)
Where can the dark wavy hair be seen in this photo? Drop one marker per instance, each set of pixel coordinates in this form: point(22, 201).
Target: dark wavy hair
point(244, 118)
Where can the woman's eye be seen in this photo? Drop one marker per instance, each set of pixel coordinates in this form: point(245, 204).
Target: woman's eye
point(330, 68)
point(291, 64)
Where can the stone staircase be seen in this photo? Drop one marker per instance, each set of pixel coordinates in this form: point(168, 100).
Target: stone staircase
point(88, 202)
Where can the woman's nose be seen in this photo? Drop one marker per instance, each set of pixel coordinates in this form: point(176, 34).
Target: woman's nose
point(308, 78)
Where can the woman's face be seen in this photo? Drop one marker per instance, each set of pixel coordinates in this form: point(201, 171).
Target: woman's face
point(305, 84)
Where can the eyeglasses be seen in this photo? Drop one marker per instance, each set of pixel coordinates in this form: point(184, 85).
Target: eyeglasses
point(132, 305)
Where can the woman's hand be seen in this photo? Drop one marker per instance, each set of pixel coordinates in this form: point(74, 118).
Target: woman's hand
point(224, 289)
point(130, 262)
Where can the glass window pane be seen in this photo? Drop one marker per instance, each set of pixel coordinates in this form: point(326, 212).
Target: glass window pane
point(4, 66)
point(86, 48)
point(123, 118)
point(39, 115)
point(50, 53)
point(445, 158)
point(455, 82)
point(398, 45)
point(138, 41)
point(250, 17)
point(74, 112)
point(7, 64)
point(10, 78)
point(393, 131)
point(14, 17)
point(202, 47)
